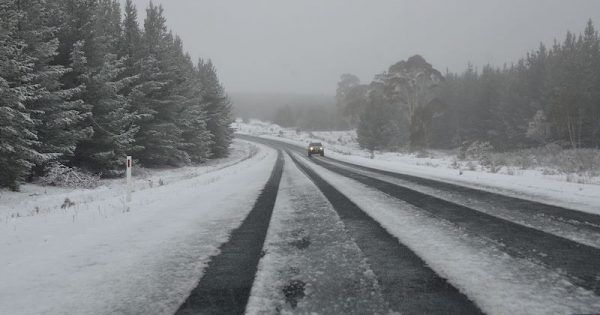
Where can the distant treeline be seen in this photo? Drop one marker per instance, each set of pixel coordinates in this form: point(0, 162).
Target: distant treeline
point(84, 85)
point(552, 95)
point(306, 112)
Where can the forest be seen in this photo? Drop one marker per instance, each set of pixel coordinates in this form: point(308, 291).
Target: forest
point(551, 96)
point(83, 84)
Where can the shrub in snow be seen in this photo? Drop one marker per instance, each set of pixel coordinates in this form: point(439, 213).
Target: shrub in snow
point(498, 160)
point(455, 164)
point(423, 154)
point(549, 171)
point(581, 165)
point(480, 151)
point(471, 166)
point(462, 150)
point(553, 148)
point(67, 204)
point(64, 176)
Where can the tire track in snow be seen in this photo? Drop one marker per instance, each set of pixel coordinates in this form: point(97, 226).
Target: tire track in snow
point(407, 283)
point(225, 286)
point(579, 219)
point(580, 262)
point(499, 206)
point(309, 248)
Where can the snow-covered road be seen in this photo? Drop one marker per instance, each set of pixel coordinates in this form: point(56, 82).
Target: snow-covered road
point(520, 275)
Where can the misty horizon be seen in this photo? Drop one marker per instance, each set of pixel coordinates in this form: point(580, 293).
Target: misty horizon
point(270, 47)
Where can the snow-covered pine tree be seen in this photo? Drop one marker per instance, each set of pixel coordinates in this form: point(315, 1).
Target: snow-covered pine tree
point(53, 111)
point(18, 140)
point(130, 45)
point(218, 108)
point(192, 118)
point(153, 99)
point(67, 123)
point(112, 121)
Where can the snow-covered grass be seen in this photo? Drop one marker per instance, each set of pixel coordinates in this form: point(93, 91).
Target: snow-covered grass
point(573, 165)
point(548, 184)
point(100, 255)
point(497, 282)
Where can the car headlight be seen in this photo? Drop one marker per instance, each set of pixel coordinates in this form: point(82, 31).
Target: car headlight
point(310, 148)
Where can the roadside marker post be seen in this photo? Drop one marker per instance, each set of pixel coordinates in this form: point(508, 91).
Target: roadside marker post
point(129, 164)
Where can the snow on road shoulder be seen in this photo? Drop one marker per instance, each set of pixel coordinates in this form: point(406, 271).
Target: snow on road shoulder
point(528, 185)
point(497, 282)
point(105, 257)
point(310, 259)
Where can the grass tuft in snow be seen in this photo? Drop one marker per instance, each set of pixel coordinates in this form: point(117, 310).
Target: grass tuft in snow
point(294, 291)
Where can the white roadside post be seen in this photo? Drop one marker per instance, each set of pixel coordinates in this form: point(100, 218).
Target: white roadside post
point(129, 183)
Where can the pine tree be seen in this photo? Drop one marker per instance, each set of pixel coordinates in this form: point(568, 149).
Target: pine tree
point(218, 108)
point(18, 139)
point(192, 118)
point(83, 87)
point(55, 112)
point(154, 100)
point(64, 118)
point(111, 119)
point(589, 64)
point(130, 45)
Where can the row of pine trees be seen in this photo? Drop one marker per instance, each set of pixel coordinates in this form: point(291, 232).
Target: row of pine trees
point(551, 96)
point(83, 84)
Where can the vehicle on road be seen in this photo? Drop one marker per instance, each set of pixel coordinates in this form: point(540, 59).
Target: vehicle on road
point(316, 148)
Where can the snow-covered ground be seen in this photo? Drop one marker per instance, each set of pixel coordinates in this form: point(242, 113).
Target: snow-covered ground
point(101, 255)
point(36, 199)
point(497, 282)
point(531, 184)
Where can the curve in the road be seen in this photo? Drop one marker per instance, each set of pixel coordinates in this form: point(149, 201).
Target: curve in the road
point(225, 286)
point(580, 262)
point(408, 284)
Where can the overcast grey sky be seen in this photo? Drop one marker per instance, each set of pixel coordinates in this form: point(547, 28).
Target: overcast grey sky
point(303, 46)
